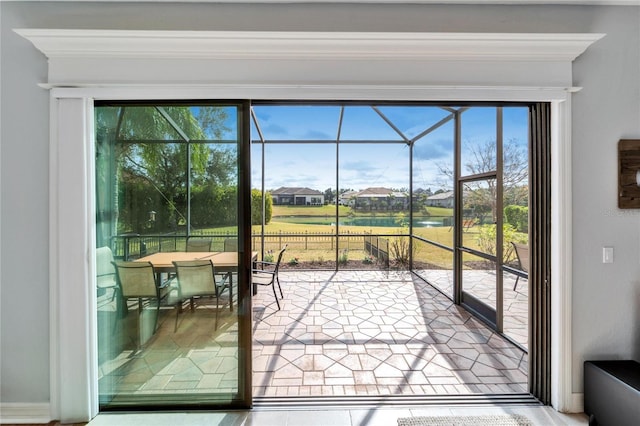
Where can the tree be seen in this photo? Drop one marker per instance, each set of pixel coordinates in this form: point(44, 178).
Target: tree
point(150, 147)
point(329, 196)
point(480, 196)
point(256, 207)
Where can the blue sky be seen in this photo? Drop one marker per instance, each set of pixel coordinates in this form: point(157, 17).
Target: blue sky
point(372, 164)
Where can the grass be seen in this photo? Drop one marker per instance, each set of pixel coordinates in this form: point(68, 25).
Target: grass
point(441, 235)
point(320, 250)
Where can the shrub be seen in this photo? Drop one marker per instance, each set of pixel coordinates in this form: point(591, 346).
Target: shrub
point(256, 207)
point(343, 258)
point(487, 240)
point(399, 249)
point(518, 217)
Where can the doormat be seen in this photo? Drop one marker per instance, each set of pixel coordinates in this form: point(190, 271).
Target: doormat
point(485, 420)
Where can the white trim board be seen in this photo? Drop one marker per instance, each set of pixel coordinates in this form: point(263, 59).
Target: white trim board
point(306, 59)
point(20, 413)
point(312, 92)
point(445, 2)
point(77, 79)
point(307, 45)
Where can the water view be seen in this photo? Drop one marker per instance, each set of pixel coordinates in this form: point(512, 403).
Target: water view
point(382, 221)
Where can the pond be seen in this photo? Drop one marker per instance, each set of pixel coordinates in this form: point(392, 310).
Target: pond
point(383, 221)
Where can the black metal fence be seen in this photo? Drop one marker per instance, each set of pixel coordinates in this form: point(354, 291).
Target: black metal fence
point(377, 247)
point(134, 246)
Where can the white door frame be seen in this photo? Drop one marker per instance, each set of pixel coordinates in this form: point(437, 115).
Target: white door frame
point(85, 65)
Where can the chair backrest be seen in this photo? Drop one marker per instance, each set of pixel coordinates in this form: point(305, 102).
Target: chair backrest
point(199, 244)
point(195, 278)
point(231, 244)
point(136, 279)
point(105, 271)
point(522, 251)
point(282, 250)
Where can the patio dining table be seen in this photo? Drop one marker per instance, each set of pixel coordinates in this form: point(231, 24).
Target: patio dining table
point(223, 261)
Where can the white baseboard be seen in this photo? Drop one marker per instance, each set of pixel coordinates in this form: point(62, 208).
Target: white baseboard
point(577, 403)
point(16, 412)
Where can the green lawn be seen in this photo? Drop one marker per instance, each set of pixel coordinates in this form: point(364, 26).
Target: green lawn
point(308, 248)
point(328, 210)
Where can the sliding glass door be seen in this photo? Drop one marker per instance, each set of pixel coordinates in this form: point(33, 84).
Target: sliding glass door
point(171, 186)
point(492, 196)
point(441, 190)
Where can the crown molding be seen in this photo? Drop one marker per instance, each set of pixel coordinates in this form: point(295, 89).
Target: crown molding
point(296, 45)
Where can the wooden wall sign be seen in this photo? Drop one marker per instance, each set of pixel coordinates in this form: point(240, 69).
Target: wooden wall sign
point(629, 174)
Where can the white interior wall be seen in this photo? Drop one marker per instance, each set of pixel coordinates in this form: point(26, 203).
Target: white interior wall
point(606, 297)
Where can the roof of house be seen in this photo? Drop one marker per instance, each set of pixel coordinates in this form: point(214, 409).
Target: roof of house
point(348, 194)
point(379, 192)
point(441, 196)
point(295, 190)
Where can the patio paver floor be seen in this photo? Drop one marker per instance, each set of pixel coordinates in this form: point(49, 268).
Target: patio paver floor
point(375, 333)
point(338, 333)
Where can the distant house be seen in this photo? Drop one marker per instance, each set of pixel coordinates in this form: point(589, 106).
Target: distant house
point(297, 196)
point(443, 199)
point(347, 198)
point(378, 198)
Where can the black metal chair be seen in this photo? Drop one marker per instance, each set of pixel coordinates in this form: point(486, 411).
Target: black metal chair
point(266, 274)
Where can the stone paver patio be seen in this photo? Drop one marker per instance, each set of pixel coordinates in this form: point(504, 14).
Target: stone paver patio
point(375, 333)
point(338, 333)
point(481, 283)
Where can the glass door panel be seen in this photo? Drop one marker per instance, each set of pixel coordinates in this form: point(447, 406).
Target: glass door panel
point(167, 189)
point(479, 238)
point(478, 212)
point(479, 215)
point(478, 140)
point(479, 279)
point(516, 225)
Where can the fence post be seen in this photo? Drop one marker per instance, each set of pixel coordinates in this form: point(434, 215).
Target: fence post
point(377, 246)
point(387, 256)
point(126, 248)
point(306, 240)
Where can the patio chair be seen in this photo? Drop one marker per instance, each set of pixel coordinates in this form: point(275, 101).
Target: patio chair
point(231, 244)
point(194, 244)
point(198, 244)
point(267, 274)
point(105, 271)
point(522, 254)
point(197, 279)
point(137, 281)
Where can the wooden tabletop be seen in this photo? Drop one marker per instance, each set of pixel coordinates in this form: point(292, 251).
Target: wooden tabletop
point(221, 259)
